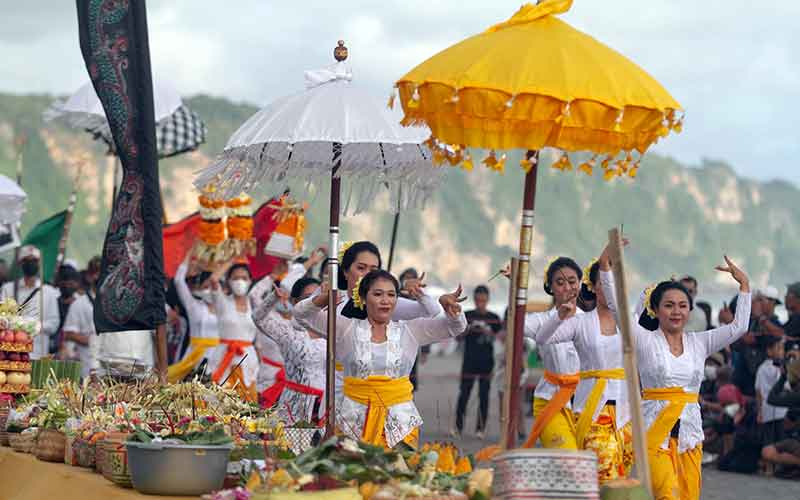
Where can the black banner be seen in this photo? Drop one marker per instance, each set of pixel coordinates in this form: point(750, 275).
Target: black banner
point(130, 292)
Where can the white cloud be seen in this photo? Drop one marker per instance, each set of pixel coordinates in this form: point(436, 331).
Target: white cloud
point(733, 64)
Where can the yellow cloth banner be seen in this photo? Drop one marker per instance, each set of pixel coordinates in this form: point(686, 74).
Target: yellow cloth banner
point(378, 393)
point(585, 418)
point(199, 346)
point(661, 428)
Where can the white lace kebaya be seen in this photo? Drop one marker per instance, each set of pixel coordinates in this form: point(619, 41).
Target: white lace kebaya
point(304, 362)
point(362, 358)
point(659, 368)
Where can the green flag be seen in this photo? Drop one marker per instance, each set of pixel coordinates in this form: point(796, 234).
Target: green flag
point(45, 236)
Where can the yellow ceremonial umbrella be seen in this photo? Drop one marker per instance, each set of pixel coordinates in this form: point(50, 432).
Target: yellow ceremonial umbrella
point(531, 82)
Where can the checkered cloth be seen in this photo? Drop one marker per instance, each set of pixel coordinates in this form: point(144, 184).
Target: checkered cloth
point(178, 133)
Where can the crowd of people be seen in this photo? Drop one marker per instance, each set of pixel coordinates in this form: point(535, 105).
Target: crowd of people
point(727, 394)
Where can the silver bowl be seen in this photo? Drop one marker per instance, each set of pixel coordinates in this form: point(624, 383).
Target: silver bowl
point(163, 468)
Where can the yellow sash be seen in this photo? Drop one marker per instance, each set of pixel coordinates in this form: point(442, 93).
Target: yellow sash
point(339, 367)
point(378, 393)
point(566, 388)
point(662, 426)
point(177, 372)
point(587, 414)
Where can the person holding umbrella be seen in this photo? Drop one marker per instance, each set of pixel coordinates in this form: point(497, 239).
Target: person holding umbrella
point(377, 353)
point(671, 367)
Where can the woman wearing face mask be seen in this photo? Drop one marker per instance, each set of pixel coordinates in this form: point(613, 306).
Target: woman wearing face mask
point(198, 300)
point(671, 367)
point(601, 398)
point(237, 331)
point(300, 386)
point(377, 354)
point(554, 423)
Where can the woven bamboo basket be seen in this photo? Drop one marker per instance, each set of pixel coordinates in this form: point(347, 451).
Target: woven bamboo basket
point(4, 410)
point(85, 453)
point(50, 445)
point(23, 442)
point(116, 460)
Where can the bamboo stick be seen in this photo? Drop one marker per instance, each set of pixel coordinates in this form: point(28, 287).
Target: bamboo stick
point(629, 360)
point(509, 343)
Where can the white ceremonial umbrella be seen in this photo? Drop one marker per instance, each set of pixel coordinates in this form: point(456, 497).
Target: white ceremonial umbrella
point(12, 202)
point(178, 128)
point(332, 130)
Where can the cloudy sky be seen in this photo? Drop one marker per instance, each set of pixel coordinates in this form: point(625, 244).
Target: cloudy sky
point(734, 64)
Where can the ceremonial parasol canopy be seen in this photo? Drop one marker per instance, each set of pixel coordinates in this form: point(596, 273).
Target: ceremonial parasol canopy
point(295, 136)
point(535, 81)
point(12, 202)
point(178, 128)
point(532, 82)
point(331, 130)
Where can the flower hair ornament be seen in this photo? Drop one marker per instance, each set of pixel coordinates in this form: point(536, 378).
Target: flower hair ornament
point(547, 269)
point(343, 249)
point(587, 280)
point(647, 301)
point(357, 302)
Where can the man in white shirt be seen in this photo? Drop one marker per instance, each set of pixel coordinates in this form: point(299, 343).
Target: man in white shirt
point(91, 348)
point(79, 333)
point(43, 307)
point(770, 418)
point(697, 318)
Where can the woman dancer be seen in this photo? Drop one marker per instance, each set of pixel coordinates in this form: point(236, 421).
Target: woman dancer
point(671, 367)
point(601, 398)
point(554, 422)
point(302, 381)
point(356, 260)
point(203, 325)
point(236, 330)
point(377, 354)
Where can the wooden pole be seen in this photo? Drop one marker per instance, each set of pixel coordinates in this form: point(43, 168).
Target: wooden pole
point(19, 144)
point(114, 183)
point(340, 54)
point(73, 199)
point(333, 273)
point(394, 240)
point(509, 343)
point(629, 361)
point(525, 241)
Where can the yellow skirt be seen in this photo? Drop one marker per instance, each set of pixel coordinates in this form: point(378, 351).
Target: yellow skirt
point(613, 447)
point(560, 430)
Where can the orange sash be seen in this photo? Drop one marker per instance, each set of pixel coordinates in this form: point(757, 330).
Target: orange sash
point(566, 388)
point(235, 348)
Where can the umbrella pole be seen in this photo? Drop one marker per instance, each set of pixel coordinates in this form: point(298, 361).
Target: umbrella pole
point(394, 240)
point(114, 183)
point(525, 239)
point(629, 361)
point(509, 354)
point(333, 272)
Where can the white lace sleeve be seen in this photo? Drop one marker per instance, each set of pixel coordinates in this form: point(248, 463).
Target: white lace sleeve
point(425, 307)
point(607, 282)
point(719, 338)
point(429, 330)
point(259, 292)
point(556, 331)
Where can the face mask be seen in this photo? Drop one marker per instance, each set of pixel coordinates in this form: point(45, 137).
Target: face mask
point(30, 268)
point(711, 372)
point(240, 287)
point(285, 309)
point(67, 291)
point(204, 295)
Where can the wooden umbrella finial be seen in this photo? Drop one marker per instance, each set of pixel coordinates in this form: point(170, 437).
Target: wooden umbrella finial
point(340, 52)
